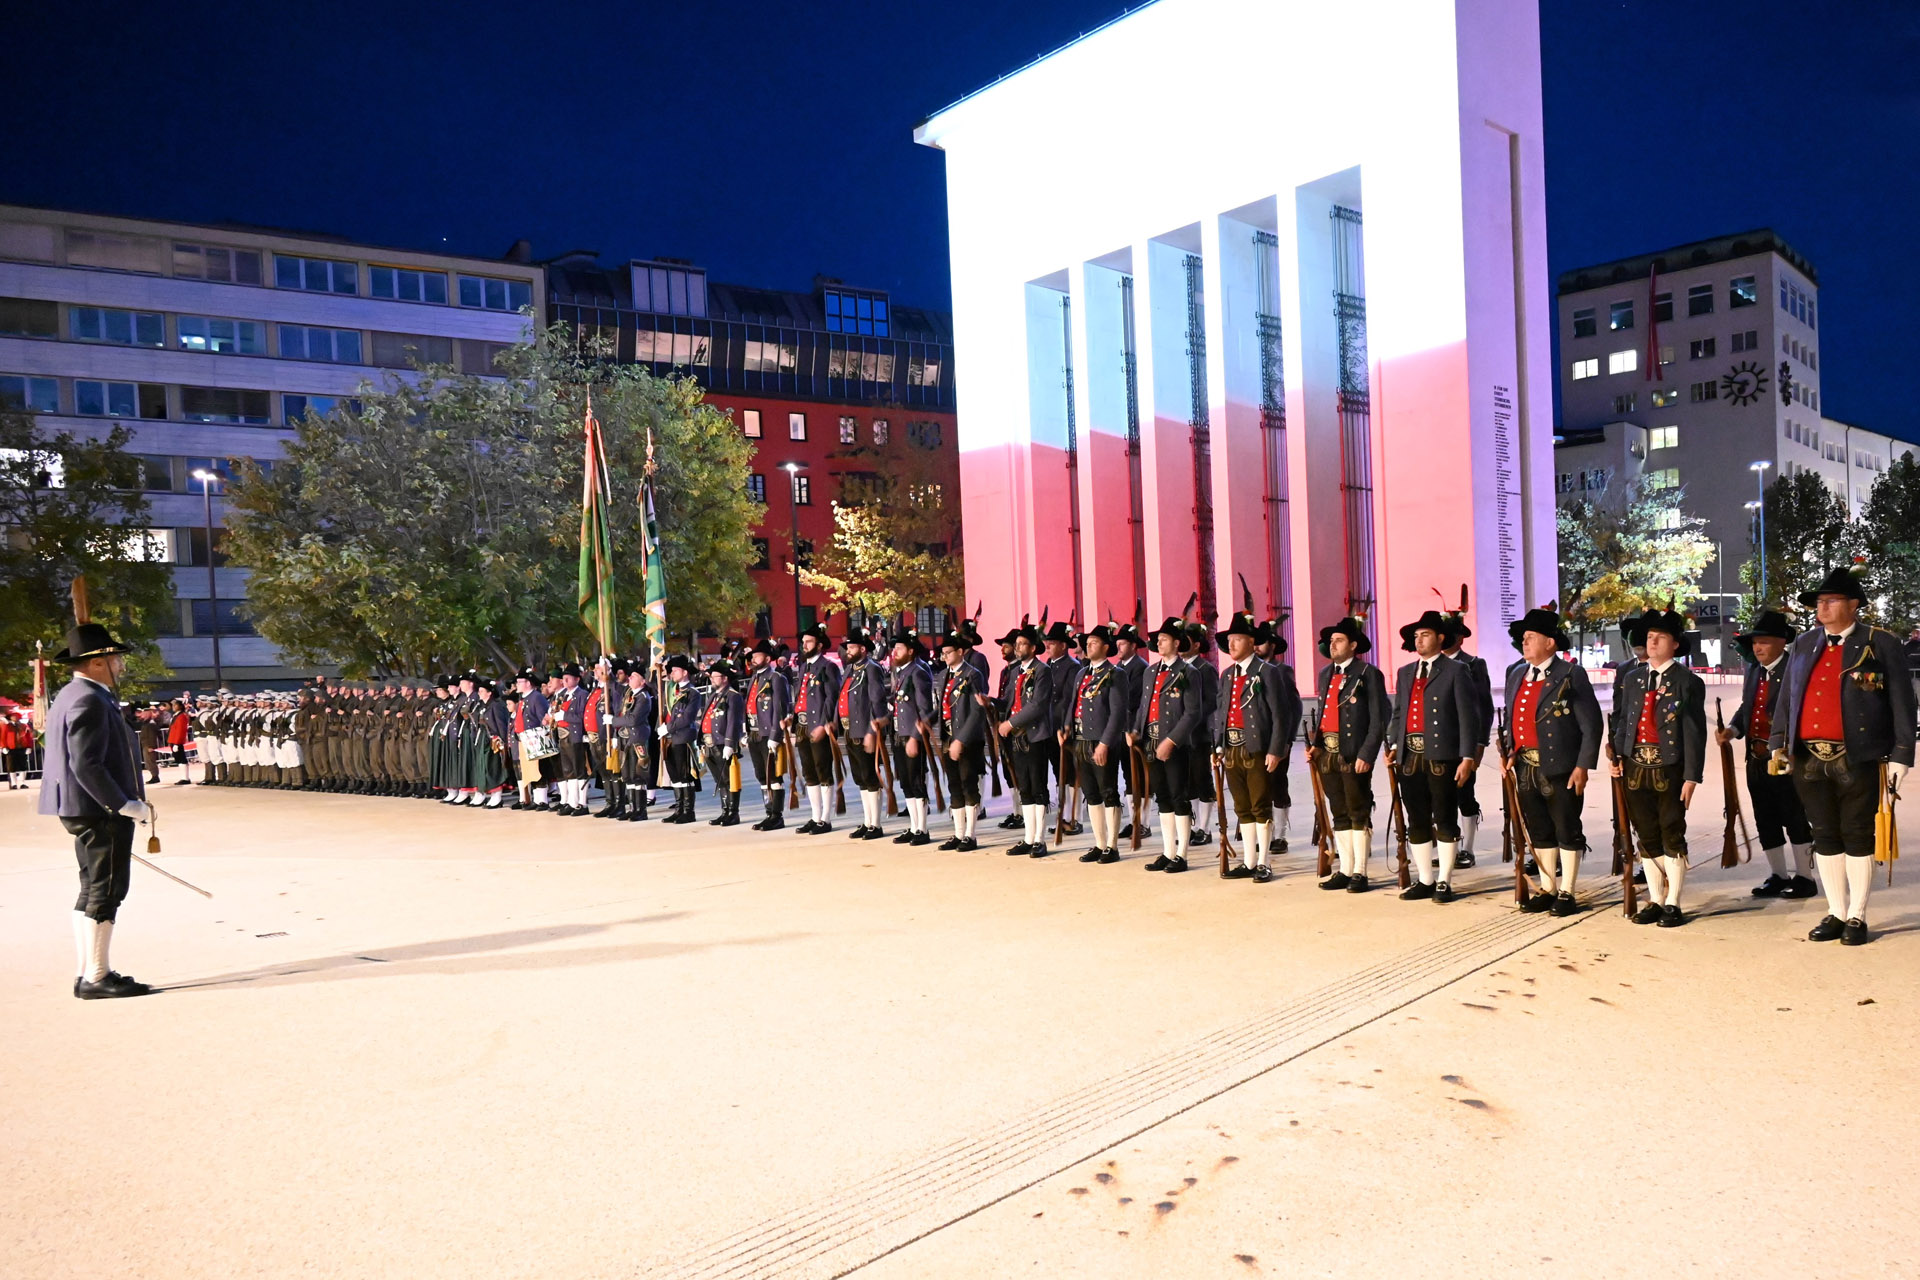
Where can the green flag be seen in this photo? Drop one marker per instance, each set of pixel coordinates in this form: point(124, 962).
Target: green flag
point(656, 569)
point(596, 540)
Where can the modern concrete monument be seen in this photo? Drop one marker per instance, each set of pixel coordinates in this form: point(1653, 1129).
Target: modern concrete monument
point(1259, 288)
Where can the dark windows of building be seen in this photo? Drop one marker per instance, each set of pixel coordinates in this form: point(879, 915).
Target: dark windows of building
point(315, 275)
point(809, 615)
point(803, 556)
point(925, 434)
point(295, 407)
point(403, 284)
point(29, 318)
point(211, 262)
point(881, 430)
point(404, 350)
point(849, 431)
point(669, 290)
point(802, 491)
point(111, 251)
point(1747, 341)
point(1742, 292)
point(1700, 300)
point(1626, 403)
point(224, 337)
point(494, 294)
point(1700, 349)
point(1620, 315)
point(750, 423)
point(478, 356)
point(193, 545)
point(226, 404)
point(762, 554)
point(757, 487)
point(123, 328)
point(1797, 303)
point(1583, 325)
point(303, 342)
point(29, 395)
point(930, 620)
point(862, 313)
point(154, 472)
point(1700, 392)
point(682, 349)
point(1662, 307)
point(120, 399)
point(796, 426)
point(923, 370)
point(231, 622)
point(220, 467)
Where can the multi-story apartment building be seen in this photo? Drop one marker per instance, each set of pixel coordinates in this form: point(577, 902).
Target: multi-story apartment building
point(833, 384)
point(1699, 367)
point(209, 342)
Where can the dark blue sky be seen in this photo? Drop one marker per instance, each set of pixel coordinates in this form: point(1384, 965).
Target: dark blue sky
point(772, 141)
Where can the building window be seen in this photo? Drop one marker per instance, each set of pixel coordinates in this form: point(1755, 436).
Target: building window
point(225, 404)
point(923, 370)
point(126, 328)
point(1662, 307)
point(757, 488)
point(1663, 437)
point(315, 275)
point(750, 423)
point(1623, 361)
point(762, 554)
point(1669, 519)
point(337, 346)
point(209, 262)
point(849, 431)
point(1663, 478)
point(924, 434)
point(228, 612)
point(855, 313)
point(406, 285)
point(1742, 292)
point(1620, 315)
point(403, 350)
point(495, 295)
point(225, 337)
point(796, 426)
point(669, 290)
point(1626, 403)
point(29, 318)
point(802, 491)
point(1700, 349)
point(154, 472)
point(1583, 323)
point(294, 407)
point(1589, 368)
point(1700, 300)
point(1700, 392)
point(1747, 341)
point(1661, 399)
point(1796, 303)
point(120, 399)
point(1813, 401)
point(29, 395)
point(1666, 355)
point(881, 430)
point(112, 252)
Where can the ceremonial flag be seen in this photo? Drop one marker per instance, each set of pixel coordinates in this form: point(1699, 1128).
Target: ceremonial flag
point(650, 559)
point(596, 540)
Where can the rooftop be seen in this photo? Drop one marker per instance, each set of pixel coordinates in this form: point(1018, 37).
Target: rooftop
point(1700, 253)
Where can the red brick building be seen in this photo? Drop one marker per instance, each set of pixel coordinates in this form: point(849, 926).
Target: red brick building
point(811, 377)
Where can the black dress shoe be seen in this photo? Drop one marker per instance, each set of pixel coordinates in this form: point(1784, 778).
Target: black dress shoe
point(905, 837)
point(1071, 827)
point(858, 833)
point(1175, 864)
point(1416, 891)
point(1011, 822)
point(1443, 892)
point(918, 838)
point(1040, 850)
point(968, 845)
point(115, 986)
point(807, 828)
point(1462, 860)
point(1771, 887)
point(1093, 855)
point(1537, 902)
point(1670, 918)
point(1639, 874)
point(1856, 934)
point(1533, 868)
point(1238, 871)
point(1800, 887)
point(875, 833)
point(1357, 884)
point(1125, 833)
point(1649, 914)
point(1827, 930)
point(1262, 874)
point(1565, 905)
point(1109, 855)
point(1338, 880)
point(1160, 863)
point(1019, 849)
point(1199, 838)
point(823, 828)
point(949, 844)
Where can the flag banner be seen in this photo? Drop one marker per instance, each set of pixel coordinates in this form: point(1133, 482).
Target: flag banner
point(655, 568)
point(596, 540)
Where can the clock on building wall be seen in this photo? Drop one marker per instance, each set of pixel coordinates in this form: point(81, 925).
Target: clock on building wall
point(1744, 383)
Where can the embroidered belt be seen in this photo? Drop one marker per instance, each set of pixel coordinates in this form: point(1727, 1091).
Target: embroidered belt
point(1529, 756)
point(1646, 753)
point(1824, 750)
point(1331, 741)
point(1416, 742)
point(1236, 737)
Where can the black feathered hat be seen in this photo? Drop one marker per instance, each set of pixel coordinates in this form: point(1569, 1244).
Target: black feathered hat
point(1432, 620)
point(1770, 622)
point(1843, 581)
point(1669, 622)
point(1175, 627)
point(1353, 627)
point(1240, 624)
point(1102, 633)
point(1058, 633)
point(89, 640)
point(1545, 620)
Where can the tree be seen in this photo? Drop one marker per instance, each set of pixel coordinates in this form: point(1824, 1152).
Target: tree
point(895, 544)
point(1807, 534)
point(71, 507)
point(1890, 529)
point(1626, 554)
point(435, 522)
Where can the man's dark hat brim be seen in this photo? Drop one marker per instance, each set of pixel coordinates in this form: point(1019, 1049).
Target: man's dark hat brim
point(1667, 623)
point(1058, 633)
point(1432, 620)
point(1175, 627)
point(1102, 633)
point(1838, 582)
point(1771, 624)
point(1545, 622)
point(1240, 624)
point(1352, 630)
point(679, 662)
point(89, 640)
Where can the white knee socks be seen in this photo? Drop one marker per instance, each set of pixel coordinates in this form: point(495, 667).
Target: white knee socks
point(1421, 856)
point(1549, 863)
point(101, 939)
point(1803, 860)
point(1262, 837)
point(1777, 860)
point(82, 943)
point(1833, 880)
point(1656, 869)
point(1182, 833)
point(1859, 883)
point(1447, 850)
point(1569, 869)
point(1249, 844)
point(1469, 828)
point(916, 814)
point(1676, 878)
point(1202, 815)
point(1169, 843)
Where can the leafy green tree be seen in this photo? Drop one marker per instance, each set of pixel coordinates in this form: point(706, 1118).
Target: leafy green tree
point(436, 523)
point(1807, 533)
point(71, 507)
point(1890, 530)
point(1629, 551)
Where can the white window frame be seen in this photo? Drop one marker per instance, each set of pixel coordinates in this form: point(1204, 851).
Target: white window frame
point(1588, 368)
point(1623, 361)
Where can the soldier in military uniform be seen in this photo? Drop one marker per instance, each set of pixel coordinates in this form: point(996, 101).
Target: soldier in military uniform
point(1659, 738)
point(1094, 727)
point(1166, 724)
point(1848, 709)
point(723, 735)
point(632, 729)
point(1002, 689)
point(1127, 643)
point(1063, 677)
point(1552, 734)
point(1251, 734)
point(1354, 714)
point(1027, 739)
point(1206, 680)
point(679, 727)
point(962, 731)
point(1270, 646)
point(861, 701)
point(1433, 738)
point(1777, 813)
point(767, 707)
point(816, 692)
point(568, 719)
point(905, 727)
point(1457, 634)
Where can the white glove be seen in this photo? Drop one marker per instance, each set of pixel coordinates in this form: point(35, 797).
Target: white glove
point(726, 752)
point(1895, 772)
point(138, 810)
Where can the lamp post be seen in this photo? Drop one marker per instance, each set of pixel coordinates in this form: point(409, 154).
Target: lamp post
point(207, 480)
point(1759, 470)
point(793, 470)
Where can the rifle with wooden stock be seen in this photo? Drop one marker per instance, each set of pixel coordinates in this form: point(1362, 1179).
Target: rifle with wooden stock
point(793, 765)
point(1140, 795)
point(1322, 824)
point(1398, 816)
point(1220, 792)
point(1729, 849)
point(1516, 846)
point(1623, 846)
point(1069, 798)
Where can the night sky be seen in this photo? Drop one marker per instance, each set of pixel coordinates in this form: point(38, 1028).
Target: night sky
point(769, 142)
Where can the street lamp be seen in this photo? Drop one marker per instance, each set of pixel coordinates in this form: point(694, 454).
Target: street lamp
point(793, 470)
point(1759, 470)
point(207, 480)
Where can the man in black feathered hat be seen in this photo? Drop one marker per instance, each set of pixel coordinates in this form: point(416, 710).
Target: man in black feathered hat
point(1658, 735)
point(1063, 675)
point(723, 732)
point(816, 694)
point(1131, 664)
point(960, 734)
point(1354, 714)
point(1206, 679)
point(864, 690)
point(1166, 723)
point(1433, 740)
point(907, 728)
point(1027, 739)
point(1848, 709)
point(679, 734)
point(1457, 634)
point(1778, 816)
point(1251, 733)
point(569, 721)
point(1271, 647)
point(767, 707)
point(1096, 727)
point(1552, 734)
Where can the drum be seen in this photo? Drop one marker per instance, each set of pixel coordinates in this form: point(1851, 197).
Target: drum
point(538, 743)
